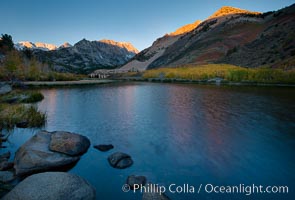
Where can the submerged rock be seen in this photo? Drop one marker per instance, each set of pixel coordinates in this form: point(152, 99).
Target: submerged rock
point(6, 176)
point(104, 147)
point(120, 160)
point(52, 186)
point(35, 156)
point(69, 143)
point(135, 180)
point(154, 195)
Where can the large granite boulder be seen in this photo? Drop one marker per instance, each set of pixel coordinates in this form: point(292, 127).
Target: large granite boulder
point(35, 156)
point(69, 143)
point(120, 160)
point(52, 186)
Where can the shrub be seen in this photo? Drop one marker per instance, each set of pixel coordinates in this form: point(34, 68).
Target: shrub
point(6, 43)
point(33, 97)
point(10, 115)
point(237, 75)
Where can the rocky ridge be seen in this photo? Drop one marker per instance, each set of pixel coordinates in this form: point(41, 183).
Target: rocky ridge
point(231, 36)
point(86, 56)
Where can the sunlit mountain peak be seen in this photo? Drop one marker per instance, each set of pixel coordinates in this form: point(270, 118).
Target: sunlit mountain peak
point(228, 10)
point(186, 28)
point(126, 45)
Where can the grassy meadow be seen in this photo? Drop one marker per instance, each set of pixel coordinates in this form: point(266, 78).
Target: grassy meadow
point(225, 71)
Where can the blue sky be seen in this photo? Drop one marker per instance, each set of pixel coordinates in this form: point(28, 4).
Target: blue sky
point(137, 21)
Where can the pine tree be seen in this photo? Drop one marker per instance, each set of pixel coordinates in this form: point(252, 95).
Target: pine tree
point(6, 43)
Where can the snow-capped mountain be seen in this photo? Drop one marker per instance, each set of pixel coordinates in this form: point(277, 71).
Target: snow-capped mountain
point(86, 56)
point(37, 45)
point(65, 45)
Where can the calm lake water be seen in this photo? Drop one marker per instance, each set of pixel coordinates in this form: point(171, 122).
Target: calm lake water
point(178, 133)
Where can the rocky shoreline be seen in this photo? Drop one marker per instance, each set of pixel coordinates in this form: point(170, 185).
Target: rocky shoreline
point(45, 151)
point(40, 165)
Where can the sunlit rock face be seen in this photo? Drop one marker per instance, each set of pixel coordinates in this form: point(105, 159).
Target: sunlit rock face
point(65, 45)
point(45, 46)
point(144, 58)
point(125, 45)
point(228, 10)
point(186, 28)
point(231, 36)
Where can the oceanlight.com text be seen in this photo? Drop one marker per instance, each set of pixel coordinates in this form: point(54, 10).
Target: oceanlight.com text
point(207, 188)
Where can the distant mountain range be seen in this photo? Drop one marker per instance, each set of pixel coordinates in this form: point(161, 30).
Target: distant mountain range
point(231, 35)
point(84, 57)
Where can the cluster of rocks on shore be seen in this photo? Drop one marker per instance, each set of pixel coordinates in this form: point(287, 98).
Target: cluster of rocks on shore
point(47, 151)
point(42, 160)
